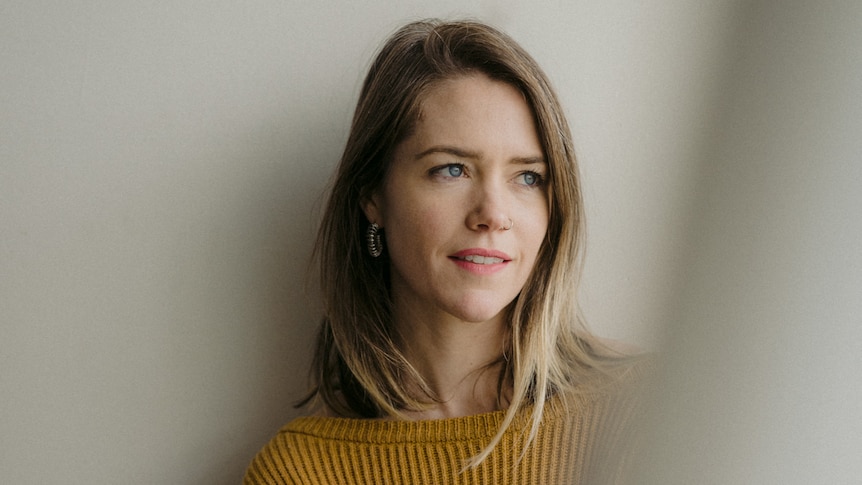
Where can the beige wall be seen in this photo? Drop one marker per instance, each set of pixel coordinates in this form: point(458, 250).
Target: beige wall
point(764, 357)
point(161, 166)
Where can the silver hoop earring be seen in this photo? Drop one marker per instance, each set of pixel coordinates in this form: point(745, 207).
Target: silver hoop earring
point(511, 225)
point(374, 240)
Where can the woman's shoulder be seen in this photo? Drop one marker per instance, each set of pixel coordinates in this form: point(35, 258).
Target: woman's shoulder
point(281, 459)
point(615, 371)
point(272, 464)
point(625, 360)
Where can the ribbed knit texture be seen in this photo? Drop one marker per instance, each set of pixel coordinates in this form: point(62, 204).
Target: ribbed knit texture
point(580, 441)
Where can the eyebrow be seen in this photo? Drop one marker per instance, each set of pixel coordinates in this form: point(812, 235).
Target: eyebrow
point(461, 153)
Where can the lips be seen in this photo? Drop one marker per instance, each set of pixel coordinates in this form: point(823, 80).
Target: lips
point(483, 259)
point(481, 256)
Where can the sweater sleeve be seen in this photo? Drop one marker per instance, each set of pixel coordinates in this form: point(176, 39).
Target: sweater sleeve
point(270, 466)
point(621, 425)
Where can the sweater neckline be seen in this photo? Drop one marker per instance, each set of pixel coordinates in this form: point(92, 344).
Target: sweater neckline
point(465, 428)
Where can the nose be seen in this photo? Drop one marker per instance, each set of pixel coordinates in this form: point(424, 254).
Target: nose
point(490, 209)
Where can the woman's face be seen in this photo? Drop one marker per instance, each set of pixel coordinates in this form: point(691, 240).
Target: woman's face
point(464, 207)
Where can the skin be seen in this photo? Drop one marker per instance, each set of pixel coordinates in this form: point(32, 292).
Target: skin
point(469, 180)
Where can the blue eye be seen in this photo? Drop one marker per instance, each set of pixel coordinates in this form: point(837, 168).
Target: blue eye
point(531, 178)
point(448, 172)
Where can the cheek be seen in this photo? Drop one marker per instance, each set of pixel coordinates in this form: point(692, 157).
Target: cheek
point(423, 214)
point(413, 225)
point(534, 223)
point(534, 234)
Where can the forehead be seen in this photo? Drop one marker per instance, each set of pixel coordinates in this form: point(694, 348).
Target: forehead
point(471, 91)
point(476, 109)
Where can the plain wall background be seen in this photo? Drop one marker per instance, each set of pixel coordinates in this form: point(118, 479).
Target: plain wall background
point(763, 382)
point(161, 178)
point(161, 172)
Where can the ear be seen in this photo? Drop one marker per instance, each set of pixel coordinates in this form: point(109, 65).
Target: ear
point(373, 206)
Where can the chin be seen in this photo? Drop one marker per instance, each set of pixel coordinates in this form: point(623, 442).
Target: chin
point(477, 319)
point(479, 313)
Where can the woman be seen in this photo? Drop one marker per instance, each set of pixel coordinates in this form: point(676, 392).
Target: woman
point(450, 349)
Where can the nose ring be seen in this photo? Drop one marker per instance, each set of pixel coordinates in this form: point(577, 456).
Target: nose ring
point(511, 225)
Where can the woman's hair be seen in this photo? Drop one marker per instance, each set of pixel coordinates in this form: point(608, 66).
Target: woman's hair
point(359, 369)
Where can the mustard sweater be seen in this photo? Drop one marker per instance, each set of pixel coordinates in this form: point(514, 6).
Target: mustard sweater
point(581, 440)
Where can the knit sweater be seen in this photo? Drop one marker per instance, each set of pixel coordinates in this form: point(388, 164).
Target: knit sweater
point(580, 440)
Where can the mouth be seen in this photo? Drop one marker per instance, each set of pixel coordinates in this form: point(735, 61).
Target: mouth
point(481, 256)
point(475, 258)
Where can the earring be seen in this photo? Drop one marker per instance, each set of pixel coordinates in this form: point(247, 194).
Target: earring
point(374, 240)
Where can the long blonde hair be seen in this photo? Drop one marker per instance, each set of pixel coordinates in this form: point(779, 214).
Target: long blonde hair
point(359, 370)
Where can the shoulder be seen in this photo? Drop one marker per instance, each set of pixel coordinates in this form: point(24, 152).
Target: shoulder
point(605, 414)
point(616, 379)
point(622, 364)
point(276, 462)
point(308, 449)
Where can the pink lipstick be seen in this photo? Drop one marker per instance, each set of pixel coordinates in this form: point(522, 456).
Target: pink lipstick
point(480, 260)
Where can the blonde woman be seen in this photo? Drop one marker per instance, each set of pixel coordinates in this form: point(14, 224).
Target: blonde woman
point(450, 349)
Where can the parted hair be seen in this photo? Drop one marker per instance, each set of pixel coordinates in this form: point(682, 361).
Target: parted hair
point(359, 369)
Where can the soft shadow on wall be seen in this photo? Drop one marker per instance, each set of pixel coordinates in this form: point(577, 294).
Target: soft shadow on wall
point(764, 350)
point(279, 219)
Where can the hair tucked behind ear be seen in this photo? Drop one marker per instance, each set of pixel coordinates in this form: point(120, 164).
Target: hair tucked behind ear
point(359, 370)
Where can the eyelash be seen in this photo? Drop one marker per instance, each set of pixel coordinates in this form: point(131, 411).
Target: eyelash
point(439, 171)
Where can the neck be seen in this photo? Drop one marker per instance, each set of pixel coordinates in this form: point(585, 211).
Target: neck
point(460, 361)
